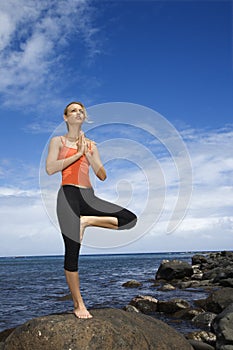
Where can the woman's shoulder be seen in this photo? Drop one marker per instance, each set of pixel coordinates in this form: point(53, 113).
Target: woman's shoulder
point(56, 140)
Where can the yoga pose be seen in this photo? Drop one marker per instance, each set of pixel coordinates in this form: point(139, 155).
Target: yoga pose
point(77, 205)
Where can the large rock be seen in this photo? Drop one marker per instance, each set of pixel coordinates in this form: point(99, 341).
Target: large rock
point(219, 300)
point(223, 327)
point(173, 305)
point(145, 303)
point(109, 329)
point(174, 269)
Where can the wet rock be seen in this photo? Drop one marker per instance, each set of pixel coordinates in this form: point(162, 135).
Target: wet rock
point(228, 282)
point(223, 327)
point(187, 314)
point(193, 284)
point(109, 329)
point(173, 269)
point(198, 259)
point(204, 320)
point(130, 308)
point(173, 305)
point(132, 284)
point(219, 300)
point(199, 345)
point(145, 303)
point(206, 337)
point(167, 287)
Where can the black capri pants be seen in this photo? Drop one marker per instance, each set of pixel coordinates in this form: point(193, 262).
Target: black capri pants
point(73, 202)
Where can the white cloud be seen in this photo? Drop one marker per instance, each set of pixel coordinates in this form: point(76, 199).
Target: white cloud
point(33, 38)
point(208, 224)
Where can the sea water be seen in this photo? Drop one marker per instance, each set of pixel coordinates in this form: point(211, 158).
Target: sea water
point(36, 286)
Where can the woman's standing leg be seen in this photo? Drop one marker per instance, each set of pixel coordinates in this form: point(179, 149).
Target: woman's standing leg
point(68, 217)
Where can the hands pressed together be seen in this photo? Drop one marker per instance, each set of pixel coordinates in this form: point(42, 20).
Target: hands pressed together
point(84, 145)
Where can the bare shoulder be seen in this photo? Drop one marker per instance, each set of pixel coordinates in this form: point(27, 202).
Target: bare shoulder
point(56, 141)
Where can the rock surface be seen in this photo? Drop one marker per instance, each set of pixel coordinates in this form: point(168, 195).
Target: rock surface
point(173, 269)
point(145, 303)
point(132, 284)
point(219, 300)
point(223, 327)
point(109, 329)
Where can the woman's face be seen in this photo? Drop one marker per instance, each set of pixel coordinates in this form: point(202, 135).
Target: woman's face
point(75, 114)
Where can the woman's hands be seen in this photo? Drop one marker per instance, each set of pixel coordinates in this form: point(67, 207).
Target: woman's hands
point(83, 145)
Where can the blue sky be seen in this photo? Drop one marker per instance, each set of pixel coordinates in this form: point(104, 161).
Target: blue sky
point(172, 57)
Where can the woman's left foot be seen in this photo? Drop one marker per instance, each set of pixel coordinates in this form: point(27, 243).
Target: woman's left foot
point(82, 313)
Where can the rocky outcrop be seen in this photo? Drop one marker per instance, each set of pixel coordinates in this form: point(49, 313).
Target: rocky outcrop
point(174, 269)
point(223, 327)
point(144, 303)
point(219, 300)
point(173, 305)
point(109, 329)
point(132, 284)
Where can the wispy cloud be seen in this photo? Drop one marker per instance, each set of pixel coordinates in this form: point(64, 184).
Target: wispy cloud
point(207, 225)
point(33, 40)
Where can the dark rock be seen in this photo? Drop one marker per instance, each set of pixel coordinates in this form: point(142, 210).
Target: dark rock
point(167, 287)
point(223, 327)
point(198, 259)
point(174, 269)
point(187, 314)
point(132, 284)
point(204, 320)
point(173, 305)
point(109, 329)
point(199, 345)
point(206, 337)
point(219, 300)
point(130, 308)
point(145, 303)
point(228, 282)
point(193, 284)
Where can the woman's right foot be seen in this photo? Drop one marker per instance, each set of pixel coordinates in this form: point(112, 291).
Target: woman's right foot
point(83, 225)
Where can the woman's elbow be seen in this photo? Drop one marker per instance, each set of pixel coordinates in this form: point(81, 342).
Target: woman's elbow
point(49, 170)
point(101, 174)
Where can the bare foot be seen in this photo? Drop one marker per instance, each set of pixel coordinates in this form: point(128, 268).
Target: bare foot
point(83, 225)
point(82, 313)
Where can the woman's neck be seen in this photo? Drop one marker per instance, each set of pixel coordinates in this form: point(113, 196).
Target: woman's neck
point(73, 133)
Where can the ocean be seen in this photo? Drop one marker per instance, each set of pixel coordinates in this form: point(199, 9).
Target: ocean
point(36, 286)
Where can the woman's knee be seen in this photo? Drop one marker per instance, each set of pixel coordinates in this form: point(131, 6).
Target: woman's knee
point(126, 220)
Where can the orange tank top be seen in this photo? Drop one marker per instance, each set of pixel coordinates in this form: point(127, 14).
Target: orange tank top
point(76, 173)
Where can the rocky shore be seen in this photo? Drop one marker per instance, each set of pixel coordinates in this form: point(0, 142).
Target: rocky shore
point(139, 325)
point(213, 316)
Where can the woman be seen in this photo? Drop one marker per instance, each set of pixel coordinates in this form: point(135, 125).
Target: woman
point(77, 205)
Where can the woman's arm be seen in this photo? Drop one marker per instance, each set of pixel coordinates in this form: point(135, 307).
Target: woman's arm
point(53, 164)
point(93, 158)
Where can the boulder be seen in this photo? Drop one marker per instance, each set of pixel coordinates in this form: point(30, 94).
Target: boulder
point(199, 345)
point(223, 327)
point(219, 300)
point(132, 284)
point(198, 259)
point(187, 314)
point(173, 305)
point(173, 269)
point(109, 329)
point(206, 337)
point(145, 303)
point(204, 320)
point(167, 287)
